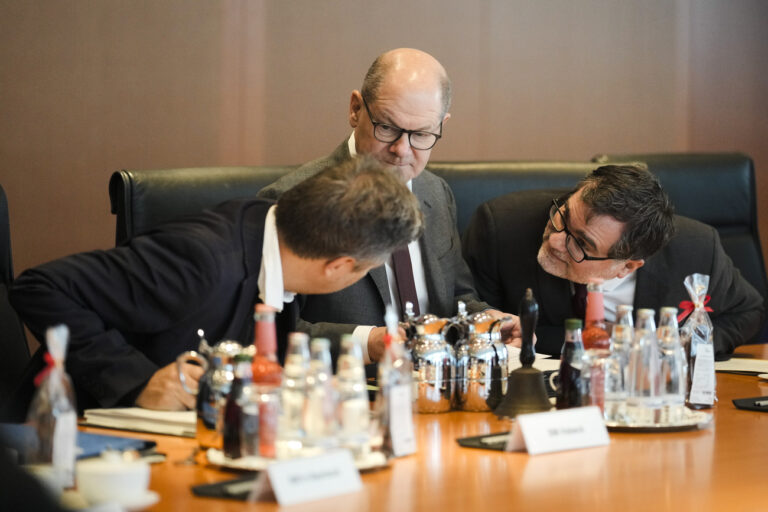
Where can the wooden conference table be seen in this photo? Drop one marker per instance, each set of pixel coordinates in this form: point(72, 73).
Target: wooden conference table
point(724, 467)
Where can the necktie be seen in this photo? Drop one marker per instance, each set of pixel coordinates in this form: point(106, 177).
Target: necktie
point(406, 288)
point(579, 300)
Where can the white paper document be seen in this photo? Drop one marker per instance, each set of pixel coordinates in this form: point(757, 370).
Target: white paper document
point(542, 362)
point(174, 423)
point(740, 364)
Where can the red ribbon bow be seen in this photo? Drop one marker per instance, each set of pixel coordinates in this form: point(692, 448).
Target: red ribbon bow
point(49, 365)
point(688, 307)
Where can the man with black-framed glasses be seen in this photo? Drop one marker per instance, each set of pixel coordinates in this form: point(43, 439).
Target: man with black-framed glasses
point(397, 117)
point(618, 226)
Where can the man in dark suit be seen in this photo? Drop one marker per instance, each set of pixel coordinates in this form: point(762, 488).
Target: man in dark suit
point(398, 117)
point(618, 226)
point(132, 309)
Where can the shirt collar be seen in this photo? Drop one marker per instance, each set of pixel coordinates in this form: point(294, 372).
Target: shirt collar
point(612, 284)
point(271, 289)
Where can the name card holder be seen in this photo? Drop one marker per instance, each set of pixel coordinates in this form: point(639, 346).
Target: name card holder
point(308, 478)
point(554, 431)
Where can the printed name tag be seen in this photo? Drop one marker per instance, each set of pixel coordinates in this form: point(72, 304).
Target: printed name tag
point(313, 478)
point(703, 382)
point(401, 421)
point(554, 431)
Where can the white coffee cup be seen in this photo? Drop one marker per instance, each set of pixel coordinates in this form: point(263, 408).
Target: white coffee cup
point(110, 478)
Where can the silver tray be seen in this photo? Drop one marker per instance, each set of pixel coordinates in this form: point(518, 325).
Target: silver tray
point(693, 420)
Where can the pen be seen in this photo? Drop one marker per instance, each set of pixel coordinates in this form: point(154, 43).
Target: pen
point(761, 403)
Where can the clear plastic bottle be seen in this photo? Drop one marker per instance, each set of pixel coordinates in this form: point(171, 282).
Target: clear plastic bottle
point(644, 389)
point(354, 407)
point(53, 414)
point(674, 367)
point(320, 423)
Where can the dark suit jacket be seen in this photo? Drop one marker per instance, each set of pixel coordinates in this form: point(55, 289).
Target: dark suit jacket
point(448, 278)
point(132, 309)
point(503, 239)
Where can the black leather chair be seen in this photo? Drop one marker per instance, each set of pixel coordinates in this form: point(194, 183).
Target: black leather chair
point(717, 189)
point(15, 351)
point(473, 183)
point(143, 199)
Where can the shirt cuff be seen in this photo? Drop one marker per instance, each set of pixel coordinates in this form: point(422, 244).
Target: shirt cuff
point(360, 335)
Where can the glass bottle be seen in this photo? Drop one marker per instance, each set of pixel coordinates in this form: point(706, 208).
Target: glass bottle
point(674, 367)
point(319, 419)
point(617, 368)
point(597, 342)
point(394, 400)
point(267, 378)
point(354, 407)
point(266, 369)
point(569, 389)
point(233, 410)
point(595, 334)
point(644, 390)
point(294, 393)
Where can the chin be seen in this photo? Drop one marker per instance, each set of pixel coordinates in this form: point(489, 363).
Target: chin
point(550, 264)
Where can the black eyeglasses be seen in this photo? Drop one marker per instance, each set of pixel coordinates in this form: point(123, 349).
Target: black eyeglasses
point(575, 249)
point(418, 139)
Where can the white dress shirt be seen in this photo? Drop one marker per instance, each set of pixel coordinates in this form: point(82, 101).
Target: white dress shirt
point(616, 292)
point(271, 289)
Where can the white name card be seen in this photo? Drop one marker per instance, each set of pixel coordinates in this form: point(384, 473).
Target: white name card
point(555, 431)
point(312, 478)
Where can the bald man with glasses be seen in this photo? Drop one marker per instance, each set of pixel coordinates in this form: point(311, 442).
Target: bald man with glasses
point(397, 117)
point(618, 226)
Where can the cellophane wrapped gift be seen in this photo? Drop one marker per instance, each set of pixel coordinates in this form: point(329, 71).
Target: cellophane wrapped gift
point(696, 335)
point(53, 413)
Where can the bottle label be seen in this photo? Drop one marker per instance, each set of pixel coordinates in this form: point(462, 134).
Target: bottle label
point(64, 443)
point(401, 420)
point(703, 382)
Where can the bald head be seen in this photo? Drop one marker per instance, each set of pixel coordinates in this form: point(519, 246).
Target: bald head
point(409, 69)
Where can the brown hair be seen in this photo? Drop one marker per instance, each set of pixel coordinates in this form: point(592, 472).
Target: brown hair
point(358, 208)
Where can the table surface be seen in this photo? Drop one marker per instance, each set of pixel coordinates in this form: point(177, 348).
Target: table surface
point(720, 468)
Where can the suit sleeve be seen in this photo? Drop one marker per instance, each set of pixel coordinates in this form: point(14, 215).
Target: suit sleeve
point(480, 252)
point(738, 308)
point(141, 288)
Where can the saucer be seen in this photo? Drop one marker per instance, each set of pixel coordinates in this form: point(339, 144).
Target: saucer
point(141, 502)
point(763, 376)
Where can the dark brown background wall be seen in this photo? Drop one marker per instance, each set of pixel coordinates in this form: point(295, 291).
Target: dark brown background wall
point(91, 86)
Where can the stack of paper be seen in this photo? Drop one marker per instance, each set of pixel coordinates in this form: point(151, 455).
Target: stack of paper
point(174, 423)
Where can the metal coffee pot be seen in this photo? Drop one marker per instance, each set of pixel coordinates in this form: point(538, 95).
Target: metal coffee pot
point(218, 363)
point(434, 364)
point(482, 365)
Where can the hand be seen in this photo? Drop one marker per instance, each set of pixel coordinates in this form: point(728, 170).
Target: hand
point(164, 392)
point(510, 329)
point(376, 342)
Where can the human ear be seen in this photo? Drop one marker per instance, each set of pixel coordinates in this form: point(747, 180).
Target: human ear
point(629, 267)
point(355, 106)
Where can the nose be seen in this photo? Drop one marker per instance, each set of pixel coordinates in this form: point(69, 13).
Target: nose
point(557, 240)
point(401, 147)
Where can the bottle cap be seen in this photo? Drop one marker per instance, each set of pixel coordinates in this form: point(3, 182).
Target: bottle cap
point(572, 324)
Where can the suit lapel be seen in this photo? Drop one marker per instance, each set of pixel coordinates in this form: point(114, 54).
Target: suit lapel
point(436, 287)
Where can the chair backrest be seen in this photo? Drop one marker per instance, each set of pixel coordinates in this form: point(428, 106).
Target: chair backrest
point(13, 342)
point(143, 199)
point(717, 189)
point(474, 183)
